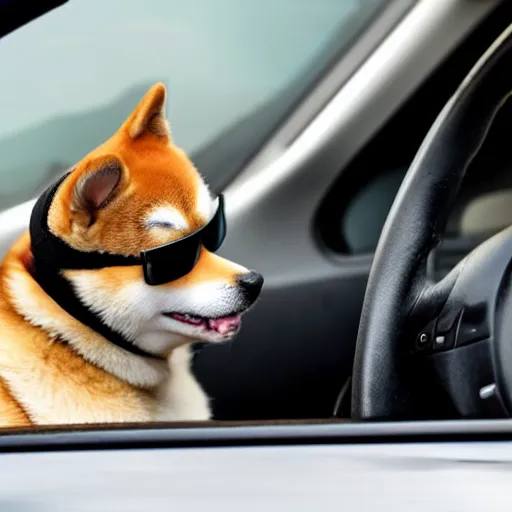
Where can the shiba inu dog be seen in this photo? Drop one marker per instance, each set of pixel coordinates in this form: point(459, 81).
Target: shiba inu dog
point(101, 299)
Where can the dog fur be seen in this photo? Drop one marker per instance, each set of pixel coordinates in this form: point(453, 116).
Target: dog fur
point(134, 192)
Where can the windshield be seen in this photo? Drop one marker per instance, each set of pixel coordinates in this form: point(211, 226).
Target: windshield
point(233, 69)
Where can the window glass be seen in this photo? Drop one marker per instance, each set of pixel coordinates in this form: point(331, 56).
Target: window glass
point(70, 77)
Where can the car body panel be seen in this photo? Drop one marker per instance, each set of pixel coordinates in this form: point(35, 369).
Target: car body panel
point(410, 466)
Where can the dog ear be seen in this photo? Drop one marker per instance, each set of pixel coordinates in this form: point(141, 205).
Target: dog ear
point(97, 186)
point(149, 115)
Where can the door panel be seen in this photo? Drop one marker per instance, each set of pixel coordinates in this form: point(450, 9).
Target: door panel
point(395, 474)
point(293, 356)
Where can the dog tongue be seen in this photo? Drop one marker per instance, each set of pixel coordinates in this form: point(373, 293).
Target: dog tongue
point(225, 324)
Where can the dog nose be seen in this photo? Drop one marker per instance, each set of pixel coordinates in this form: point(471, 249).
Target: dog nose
point(251, 284)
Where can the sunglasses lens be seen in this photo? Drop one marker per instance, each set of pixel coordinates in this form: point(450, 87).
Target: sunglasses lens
point(170, 262)
point(214, 233)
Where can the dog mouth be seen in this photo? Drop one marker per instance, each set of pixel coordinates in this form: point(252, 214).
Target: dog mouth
point(224, 325)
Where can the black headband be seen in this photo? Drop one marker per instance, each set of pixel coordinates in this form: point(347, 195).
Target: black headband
point(53, 252)
point(52, 255)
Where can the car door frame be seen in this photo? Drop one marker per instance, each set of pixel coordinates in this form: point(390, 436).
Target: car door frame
point(403, 466)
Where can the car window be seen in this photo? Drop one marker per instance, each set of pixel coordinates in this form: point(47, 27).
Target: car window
point(232, 69)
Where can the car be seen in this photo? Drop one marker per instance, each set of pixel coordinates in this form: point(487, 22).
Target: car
point(377, 354)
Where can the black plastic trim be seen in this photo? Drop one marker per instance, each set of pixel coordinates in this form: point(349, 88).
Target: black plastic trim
point(14, 14)
point(226, 435)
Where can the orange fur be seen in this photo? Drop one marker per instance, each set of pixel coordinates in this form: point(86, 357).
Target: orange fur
point(52, 367)
point(11, 414)
point(51, 362)
point(154, 172)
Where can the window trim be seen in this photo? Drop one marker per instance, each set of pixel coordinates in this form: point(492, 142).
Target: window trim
point(218, 434)
point(336, 74)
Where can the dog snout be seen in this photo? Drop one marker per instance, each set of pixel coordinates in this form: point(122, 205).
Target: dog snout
point(250, 283)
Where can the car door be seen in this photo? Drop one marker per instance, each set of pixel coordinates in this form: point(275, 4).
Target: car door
point(387, 467)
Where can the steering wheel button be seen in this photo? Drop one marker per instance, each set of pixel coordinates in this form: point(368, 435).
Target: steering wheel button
point(447, 321)
point(424, 339)
point(444, 341)
point(471, 333)
point(471, 329)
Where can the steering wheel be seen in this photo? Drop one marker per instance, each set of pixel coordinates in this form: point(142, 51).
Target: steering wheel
point(440, 349)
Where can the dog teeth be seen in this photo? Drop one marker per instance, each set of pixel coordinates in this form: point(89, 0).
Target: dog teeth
point(193, 319)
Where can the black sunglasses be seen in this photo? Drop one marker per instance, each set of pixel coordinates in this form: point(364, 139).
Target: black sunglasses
point(161, 265)
point(176, 259)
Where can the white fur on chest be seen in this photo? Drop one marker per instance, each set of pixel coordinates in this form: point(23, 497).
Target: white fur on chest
point(59, 400)
point(181, 398)
point(153, 391)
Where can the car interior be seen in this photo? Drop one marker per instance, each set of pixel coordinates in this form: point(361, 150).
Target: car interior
point(375, 200)
point(294, 360)
point(308, 207)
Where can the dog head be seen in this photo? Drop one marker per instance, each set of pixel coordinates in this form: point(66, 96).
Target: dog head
point(136, 192)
